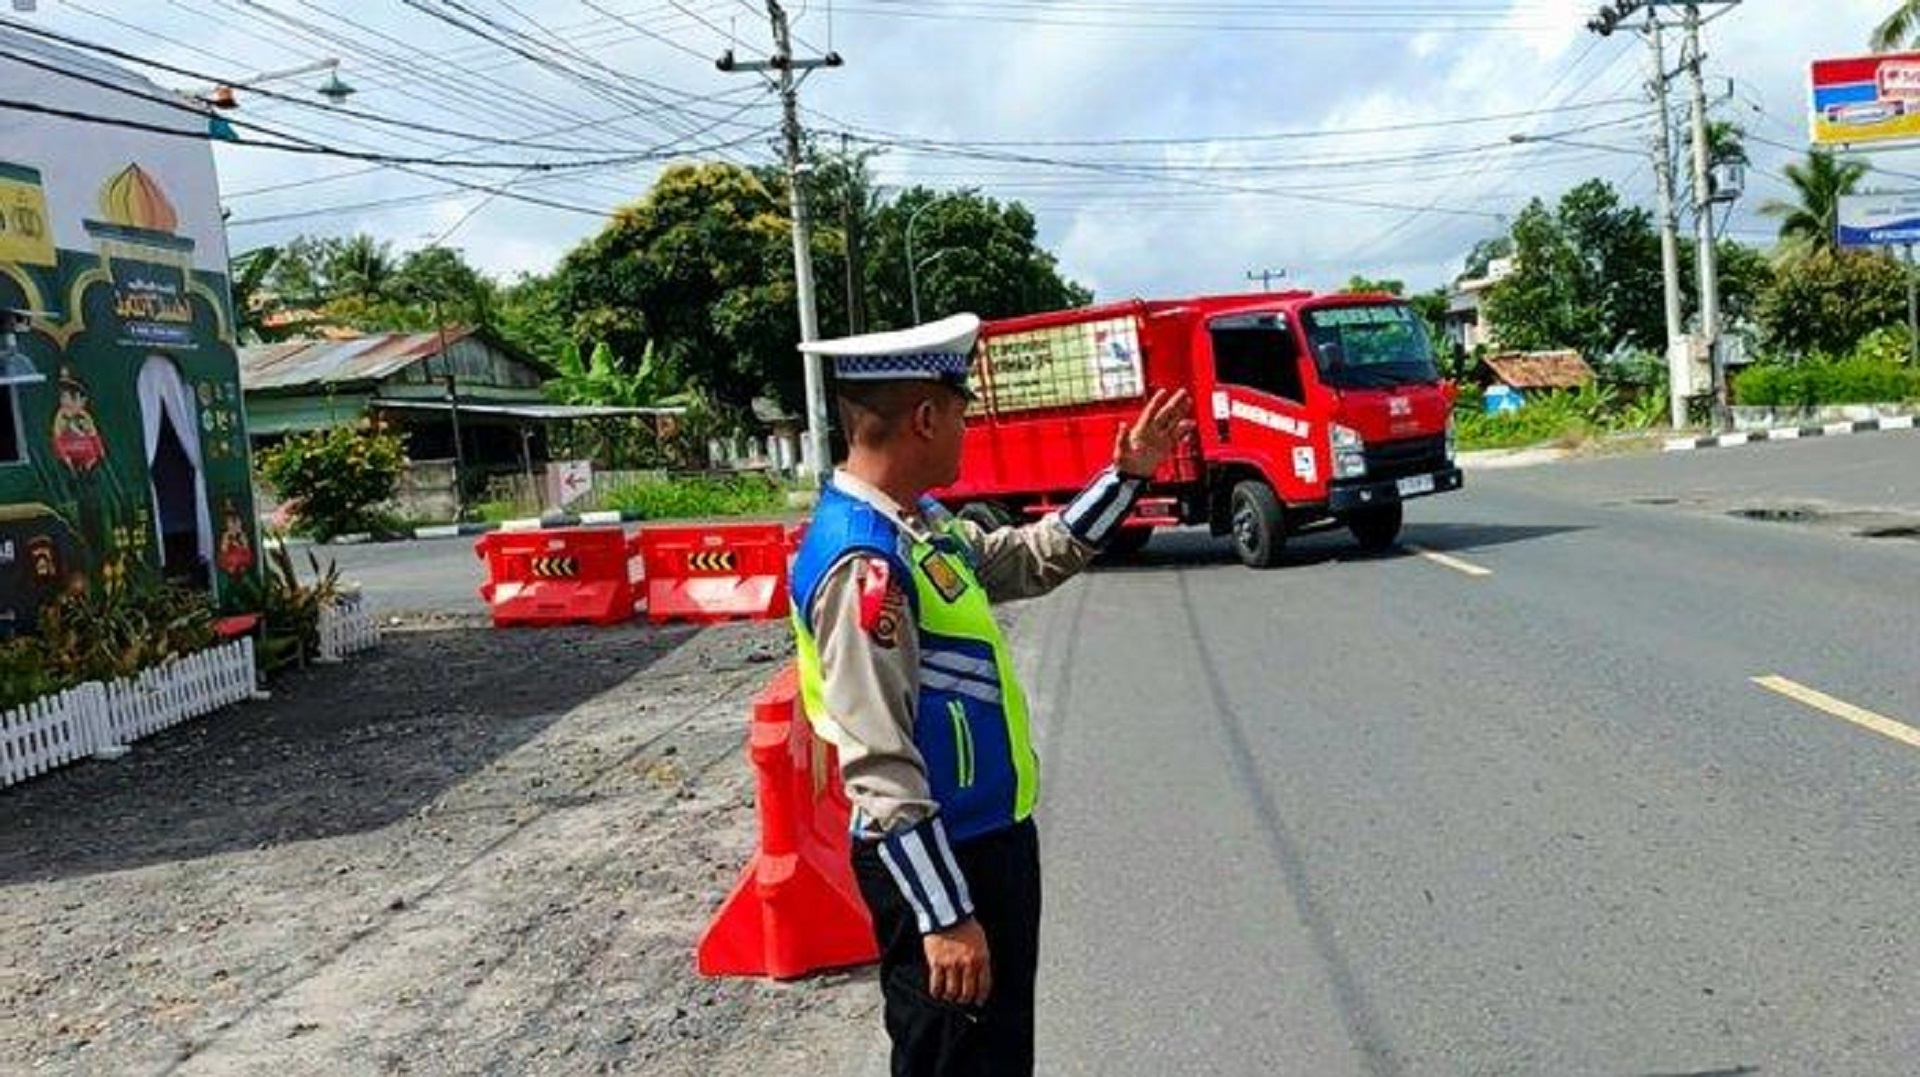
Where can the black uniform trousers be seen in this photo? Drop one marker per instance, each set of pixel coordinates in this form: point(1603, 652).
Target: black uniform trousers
point(941, 1039)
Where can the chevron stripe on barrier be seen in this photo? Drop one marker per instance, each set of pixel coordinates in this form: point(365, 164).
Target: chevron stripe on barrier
point(556, 568)
point(711, 561)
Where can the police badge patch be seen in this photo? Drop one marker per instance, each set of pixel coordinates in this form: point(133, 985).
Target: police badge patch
point(942, 575)
point(883, 604)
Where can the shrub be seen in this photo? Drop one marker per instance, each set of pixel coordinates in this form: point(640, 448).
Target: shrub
point(1846, 381)
point(290, 610)
point(335, 478)
point(695, 498)
point(101, 634)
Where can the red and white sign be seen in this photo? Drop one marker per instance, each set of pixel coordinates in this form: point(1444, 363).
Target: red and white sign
point(1899, 79)
point(568, 481)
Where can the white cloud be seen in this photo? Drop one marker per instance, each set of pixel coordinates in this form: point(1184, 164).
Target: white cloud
point(988, 79)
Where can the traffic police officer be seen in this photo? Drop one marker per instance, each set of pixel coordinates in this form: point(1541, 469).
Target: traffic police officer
point(904, 670)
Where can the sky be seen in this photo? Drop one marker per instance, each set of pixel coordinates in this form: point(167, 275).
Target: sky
point(1166, 148)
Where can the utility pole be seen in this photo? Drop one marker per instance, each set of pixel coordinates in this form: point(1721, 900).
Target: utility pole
point(1708, 257)
point(850, 228)
point(783, 62)
point(1266, 277)
point(453, 417)
point(1679, 359)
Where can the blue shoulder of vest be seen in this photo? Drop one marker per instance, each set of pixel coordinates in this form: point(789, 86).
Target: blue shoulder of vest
point(843, 525)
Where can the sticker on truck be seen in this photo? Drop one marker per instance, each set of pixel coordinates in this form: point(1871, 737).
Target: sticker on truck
point(1065, 365)
point(1272, 420)
point(1304, 467)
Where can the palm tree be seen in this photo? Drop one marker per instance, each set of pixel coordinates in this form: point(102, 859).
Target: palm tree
point(1900, 28)
point(1808, 226)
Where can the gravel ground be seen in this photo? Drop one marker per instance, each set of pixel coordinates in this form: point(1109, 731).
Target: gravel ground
point(468, 851)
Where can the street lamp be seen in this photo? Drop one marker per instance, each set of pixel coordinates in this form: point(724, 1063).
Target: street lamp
point(1522, 139)
point(334, 90)
point(913, 277)
point(913, 268)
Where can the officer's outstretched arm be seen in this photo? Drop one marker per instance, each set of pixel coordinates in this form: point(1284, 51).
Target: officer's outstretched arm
point(1023, 562)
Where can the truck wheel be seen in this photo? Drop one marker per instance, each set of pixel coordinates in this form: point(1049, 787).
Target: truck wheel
point(988, 515)
point(1259, 525)
point(1376, 528)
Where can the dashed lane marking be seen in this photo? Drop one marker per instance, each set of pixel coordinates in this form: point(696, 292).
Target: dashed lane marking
point(1453, 563)
point(1841, 709)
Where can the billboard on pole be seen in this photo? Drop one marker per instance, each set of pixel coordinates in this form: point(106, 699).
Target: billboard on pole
point(1879, 220)
point(1866, 99)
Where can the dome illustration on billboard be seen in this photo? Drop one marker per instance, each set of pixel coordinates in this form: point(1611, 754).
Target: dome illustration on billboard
point(150, 264)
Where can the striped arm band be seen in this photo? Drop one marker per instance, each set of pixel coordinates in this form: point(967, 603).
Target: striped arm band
point(923, 867)
point(1093, 516)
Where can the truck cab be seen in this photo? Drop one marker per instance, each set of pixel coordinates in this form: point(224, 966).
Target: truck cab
point(1334, 405)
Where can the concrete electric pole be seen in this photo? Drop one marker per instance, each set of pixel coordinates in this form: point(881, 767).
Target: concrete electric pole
point(783, 62)
point(1708, 258)
point(1679, 370)
point(1679, 346)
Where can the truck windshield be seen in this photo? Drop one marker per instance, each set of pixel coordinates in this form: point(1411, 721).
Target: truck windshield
point(1370, 347)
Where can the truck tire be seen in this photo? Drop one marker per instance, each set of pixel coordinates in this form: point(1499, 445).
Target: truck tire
point(1376, 528)
point(988, 515)
point(1259, 524)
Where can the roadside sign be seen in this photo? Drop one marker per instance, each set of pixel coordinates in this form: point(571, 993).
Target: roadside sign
point(1866, 99)
point(1879, 220)
point(568, 481)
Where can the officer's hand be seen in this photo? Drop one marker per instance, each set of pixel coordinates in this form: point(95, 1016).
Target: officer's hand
point(959, 969)
point(1140, 446)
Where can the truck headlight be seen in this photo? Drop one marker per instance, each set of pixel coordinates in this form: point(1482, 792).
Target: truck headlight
point(1349, 454)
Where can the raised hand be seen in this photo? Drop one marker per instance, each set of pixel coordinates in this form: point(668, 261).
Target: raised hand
point(1142, 445)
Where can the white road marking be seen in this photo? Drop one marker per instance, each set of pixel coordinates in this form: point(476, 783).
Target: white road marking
point(1453, 563)
point(1839, 708)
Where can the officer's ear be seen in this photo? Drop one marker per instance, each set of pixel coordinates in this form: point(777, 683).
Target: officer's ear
point(924, 419)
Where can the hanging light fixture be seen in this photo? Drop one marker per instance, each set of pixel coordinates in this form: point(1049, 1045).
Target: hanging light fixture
point(15, 367)
point(334, 90)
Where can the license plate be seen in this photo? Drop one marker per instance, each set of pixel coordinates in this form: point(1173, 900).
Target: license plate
point(1417, 484)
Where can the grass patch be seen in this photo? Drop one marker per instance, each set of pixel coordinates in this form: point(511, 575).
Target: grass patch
point(700, 498)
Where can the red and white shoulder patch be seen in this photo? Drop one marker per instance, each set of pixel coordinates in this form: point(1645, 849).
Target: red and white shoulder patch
point(883, 605)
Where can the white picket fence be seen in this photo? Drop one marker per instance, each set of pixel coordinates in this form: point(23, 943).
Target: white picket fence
point(102, 718)
point(347, 627)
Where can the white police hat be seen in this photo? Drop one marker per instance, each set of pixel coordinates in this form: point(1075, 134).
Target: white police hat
point(938, 351)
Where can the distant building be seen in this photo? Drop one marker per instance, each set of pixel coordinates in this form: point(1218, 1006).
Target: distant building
point(1467, 328)
point(408, 384)
point(1530, 371)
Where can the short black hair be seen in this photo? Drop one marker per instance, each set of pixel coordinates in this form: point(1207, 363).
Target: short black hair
point(871, 411)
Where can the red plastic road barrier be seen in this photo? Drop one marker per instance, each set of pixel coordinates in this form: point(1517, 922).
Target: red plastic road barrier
point(796, 909)
point(559, 576)
point(717, 573)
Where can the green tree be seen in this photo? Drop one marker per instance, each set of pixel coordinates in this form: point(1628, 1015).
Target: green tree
point(1900, 29)
point(529, 315)
point(973, 253)
point(252, 302)
point(701, 268)
point(1357, 284)
point(1587, 276)
point(1481, 258)
point(1825, 303)
point(1808, 224)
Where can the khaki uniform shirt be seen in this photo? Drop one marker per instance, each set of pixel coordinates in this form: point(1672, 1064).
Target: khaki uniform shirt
point(871, 678)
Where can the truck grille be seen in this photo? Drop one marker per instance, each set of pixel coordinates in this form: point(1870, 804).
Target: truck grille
point(1413, 456)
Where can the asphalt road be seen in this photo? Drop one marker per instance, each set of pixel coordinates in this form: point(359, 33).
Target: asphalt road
point(1520, 809)
point(1526, 812)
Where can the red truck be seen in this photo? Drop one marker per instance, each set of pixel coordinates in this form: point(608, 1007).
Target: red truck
point(1311, 411)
